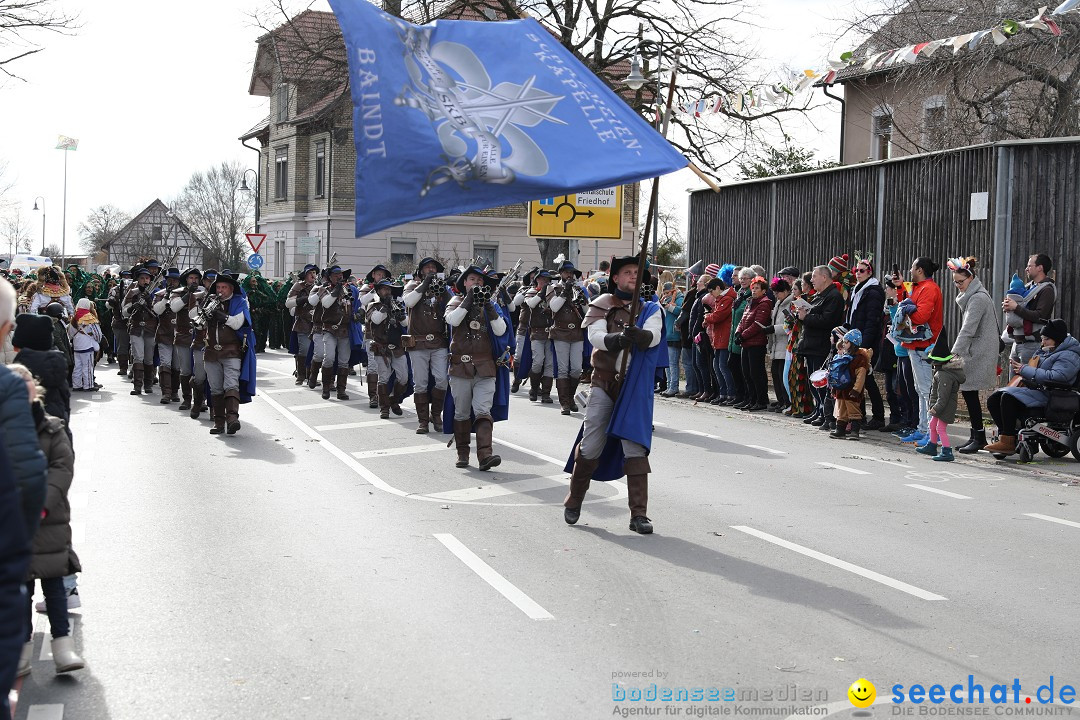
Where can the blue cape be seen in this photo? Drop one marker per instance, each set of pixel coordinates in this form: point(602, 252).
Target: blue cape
point(502, 346)
point(238, 304)
point(632, 417)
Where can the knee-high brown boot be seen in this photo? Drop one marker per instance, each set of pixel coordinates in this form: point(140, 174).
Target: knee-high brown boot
point(301, 369)
point(185, 390)
point(313, 375)
point(217, 403)
point(562, 388)
point(438, 397)
point(373, 391)
point(122, 361)
point(573, 386)
point(422, 413)
point(342, 383)
point(232, 411)
point(137, 369)
point(327, 382)
point(534, 386)
point(545, 390)
point(399, 394)
point(580, 479)
point(384, 401)
point(484, 455)
point(637, 487)
point(462, 430)
point(148, 377)
point(175, 397)
point(200, 401)
point(166, 386)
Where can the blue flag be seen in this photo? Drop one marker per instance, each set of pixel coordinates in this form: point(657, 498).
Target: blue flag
point(457, 115)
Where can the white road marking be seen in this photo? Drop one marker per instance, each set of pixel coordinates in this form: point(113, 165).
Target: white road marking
point(271, 370)
point(946, 493)
point(353, 426)
point(506, 588)
point(1059, 521)
point(487, 492)
point(879, 460)
point(292, 389)
point(845, 468)
point(46, 712)
point(407, 450)
point(842, 564)
point(324, 405)
point(768, 450)
point(527, 451)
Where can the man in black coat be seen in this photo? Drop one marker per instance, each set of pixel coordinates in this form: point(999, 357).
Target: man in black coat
point(866, 313)
point(693, 386)
point(33, 341)
point(815, 343)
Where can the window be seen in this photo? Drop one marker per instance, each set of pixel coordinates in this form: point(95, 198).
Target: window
point(155, 234)
point(488, 254)
point(320, 168)
point(281, 173)
point(282, 103)
point(881, 143)
point(934, 123)
point(279, 258)
point(402, 251)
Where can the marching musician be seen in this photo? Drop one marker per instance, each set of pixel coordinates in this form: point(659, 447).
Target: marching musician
point(426, 296)
point(302, 312)
point(479, 365)
point(196, 303)
point(386, 321)
point(166, 333)
point(542, 368)
point(121, 339)
point(142, 328)
point(568, 302)
point(180, 303)
point(623, 439)
point(368, 296)
point(229, 356)
point(333, 304)
point(522, 310)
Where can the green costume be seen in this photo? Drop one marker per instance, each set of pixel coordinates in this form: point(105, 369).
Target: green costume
point(261, 301)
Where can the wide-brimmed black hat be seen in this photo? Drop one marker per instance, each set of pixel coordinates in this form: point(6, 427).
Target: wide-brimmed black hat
point(540, 273)
point(192, 271)
point(152, 264)
point(369, 279)
point(210, 273)
point(459, 284)
point(438, 265)
point(345, 273)
point(143, 270)
point(567, 265)
point(125, 273)
point(172, 273)
point(395, 289)
point(308, 268)
point(618, 263)
point(230, 277)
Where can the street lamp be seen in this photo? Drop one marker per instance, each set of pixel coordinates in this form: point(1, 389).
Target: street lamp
point(244, 187)
point(42, 221)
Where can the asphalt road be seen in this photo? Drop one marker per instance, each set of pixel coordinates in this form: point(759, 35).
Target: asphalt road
point(325, 564)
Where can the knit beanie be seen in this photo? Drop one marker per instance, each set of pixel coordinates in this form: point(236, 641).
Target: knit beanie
point(853, 336)
point(33, 332)
point(839, 264)
point(712, 269)
point(1056, 330)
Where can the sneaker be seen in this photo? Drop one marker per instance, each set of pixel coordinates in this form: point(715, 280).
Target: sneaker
point(904, 432)
point(924, 442)
point(914, 438)
point(73, 602)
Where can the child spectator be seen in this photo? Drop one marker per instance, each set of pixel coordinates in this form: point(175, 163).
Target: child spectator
point(848, 371)
point(52, 557)
point(948, 377)
point(85, 335)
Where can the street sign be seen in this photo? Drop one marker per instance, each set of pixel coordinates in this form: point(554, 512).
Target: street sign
point(596, 215)
point(255, 261)
point(255, 240)
point(307, 245)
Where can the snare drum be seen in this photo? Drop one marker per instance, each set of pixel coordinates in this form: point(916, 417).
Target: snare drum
point(820, 379)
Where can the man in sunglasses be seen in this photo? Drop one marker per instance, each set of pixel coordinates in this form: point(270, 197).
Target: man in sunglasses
point(866, 313)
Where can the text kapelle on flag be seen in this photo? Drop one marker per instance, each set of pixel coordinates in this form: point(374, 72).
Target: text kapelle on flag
point(458, 115)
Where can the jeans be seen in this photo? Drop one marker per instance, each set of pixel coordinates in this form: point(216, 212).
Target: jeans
point(757, 379)
point(905, 389)
point(895, 414)
point(674, 356)
point(693, 383)
point(738, 383)
point(924, 379)
point(1007, 412)
point(779, 381)
point(55, 605)
point(726, 382)
point(703, 365)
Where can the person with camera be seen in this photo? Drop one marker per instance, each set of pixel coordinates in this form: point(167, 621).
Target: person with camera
point(426, 297)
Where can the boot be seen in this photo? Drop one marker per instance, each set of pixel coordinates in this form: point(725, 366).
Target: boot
point(1005, 445)
point(929, 448)
point(840, 432)
point(516, 384)
point(484, 456)
point(148, 378)
point(637, 488)
point(166, 386)
point(975, 444)
point(373, 391)
point(342, 383)
point(422, 409)
point(462, 430)
point(313, 375)
point(123, 361)
point(384, 401)
point(327, 382)
point(945, 455)
point(853, 430)
point(579, 485)
point(395, 400)
point(217, 403)
point(232, 411)
point(301, 370)
point(534, 386)
point(574, 383)
point(199, 406)
point(545, 390)
point(175, 386)
point(185, 389)
point(25, 658)
point(138, 370)
point(64, 655)
point(562, 388)
point(438, 397)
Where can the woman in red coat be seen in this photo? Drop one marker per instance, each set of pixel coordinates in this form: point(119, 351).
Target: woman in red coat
point(751, 336)
point(718, 326)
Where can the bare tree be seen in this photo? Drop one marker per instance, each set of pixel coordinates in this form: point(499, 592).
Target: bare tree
point(7, 184)
point(22, 19)
point(102, 226)
point(51, 251)
point(16, 230)
point(216, 213)
point(670, 242)
point(1025, 87)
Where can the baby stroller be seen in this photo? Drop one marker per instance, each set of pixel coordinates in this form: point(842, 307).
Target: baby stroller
point(1057, 431)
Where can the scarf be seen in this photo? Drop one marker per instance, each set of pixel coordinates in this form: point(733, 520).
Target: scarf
point(858, 293)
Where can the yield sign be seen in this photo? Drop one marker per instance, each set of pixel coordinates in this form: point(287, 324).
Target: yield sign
point(255, 240)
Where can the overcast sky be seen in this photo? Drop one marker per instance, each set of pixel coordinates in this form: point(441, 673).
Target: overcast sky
point(155, 91)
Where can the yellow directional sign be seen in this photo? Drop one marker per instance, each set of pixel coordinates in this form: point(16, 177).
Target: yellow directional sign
point(596, 214)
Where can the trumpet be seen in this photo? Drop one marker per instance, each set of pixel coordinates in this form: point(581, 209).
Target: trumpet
point(483, 292)
point(203, 314)
point(512, 275)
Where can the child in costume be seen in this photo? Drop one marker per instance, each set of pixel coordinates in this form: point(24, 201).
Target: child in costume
point(848, 371)
point(85, 335)
point(948, 377)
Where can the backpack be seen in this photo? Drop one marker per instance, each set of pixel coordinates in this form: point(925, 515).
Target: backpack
point(840, 377)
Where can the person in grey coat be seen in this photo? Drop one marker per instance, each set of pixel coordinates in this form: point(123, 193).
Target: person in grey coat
point(1057, 362)
point(977, 343)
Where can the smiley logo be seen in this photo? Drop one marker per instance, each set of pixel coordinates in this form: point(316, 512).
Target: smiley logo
point(862, 693)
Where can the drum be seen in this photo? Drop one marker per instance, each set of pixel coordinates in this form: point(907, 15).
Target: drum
point(820, 379)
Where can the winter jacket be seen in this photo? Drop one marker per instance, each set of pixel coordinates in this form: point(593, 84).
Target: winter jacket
point(946, 386)
point(1059, 365)
point(683, 321)
point(21, 446)
point(697, 316)
point(50, 367)
point(866, 313)
point(827, 312)
point(14, 557)
point(52, 555)
point(977, 339)
point(779, 335)
point(62, 343)
point(671, 315)
point(929, 309)
point(757, 317)
point(860, 368)
point(742, 301)
point(718, 322)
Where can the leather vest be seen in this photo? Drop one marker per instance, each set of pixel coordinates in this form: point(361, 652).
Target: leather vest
point(427, 319)
point(566, 323)
point(221, 342)
point(336, 318)
point(470, 349)
point(142, 321)
point(524, 319)
point(182, 322)
point(386, 336)
point(606, 362)
point(540, 319)
point(304, 311)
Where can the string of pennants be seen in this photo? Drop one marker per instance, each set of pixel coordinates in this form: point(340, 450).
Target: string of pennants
point(769, 95)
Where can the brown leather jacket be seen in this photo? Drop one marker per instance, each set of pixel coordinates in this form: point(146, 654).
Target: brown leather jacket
point(566, 323)
point(427, 318)
point(470, 350)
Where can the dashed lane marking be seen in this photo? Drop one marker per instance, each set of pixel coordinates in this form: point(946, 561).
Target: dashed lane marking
point(936, 491)
point(354, 426)
point(486, 492)
point(1048, 518)
point(505, 588)
point(842, 564)
point(845, 468)
point(880, 460)
point(768, 450)
point(46, 712)
point(407, 450)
